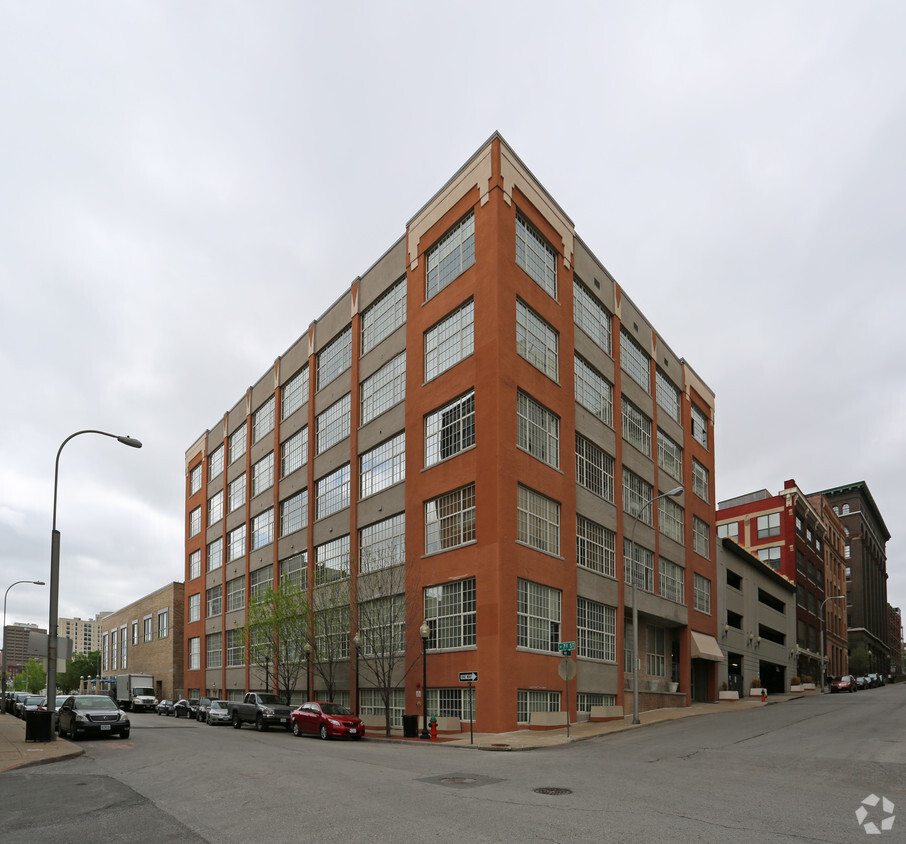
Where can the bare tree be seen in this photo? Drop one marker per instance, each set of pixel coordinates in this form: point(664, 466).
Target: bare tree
point(275, 635)
point(383, 608)
point(330, 644)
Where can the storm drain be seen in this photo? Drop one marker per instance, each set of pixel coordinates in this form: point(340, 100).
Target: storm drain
point(461, 780)
point(555, 792)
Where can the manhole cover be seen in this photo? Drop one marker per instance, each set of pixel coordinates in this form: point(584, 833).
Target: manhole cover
point(556, 792)
point(457, 780)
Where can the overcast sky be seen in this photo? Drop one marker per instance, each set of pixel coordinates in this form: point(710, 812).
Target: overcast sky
point(185, 186)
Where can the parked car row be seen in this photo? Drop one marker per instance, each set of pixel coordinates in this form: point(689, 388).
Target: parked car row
point(851, 683)
point(327, 720)
point(18, 703)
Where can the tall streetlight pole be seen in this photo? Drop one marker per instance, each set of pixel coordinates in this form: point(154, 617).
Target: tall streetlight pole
point(3, 666)
point(635, 599)
point(55, 565)
point(425, 632)
point(821, 619)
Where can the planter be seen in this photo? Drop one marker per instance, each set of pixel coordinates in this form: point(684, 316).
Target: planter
point(728, 695)
point(672, 687)
point(756, 692)
point(797, 689)
point(809, 687)
point(652, 685)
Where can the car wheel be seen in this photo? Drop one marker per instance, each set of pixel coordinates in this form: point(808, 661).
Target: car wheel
point(237, 722)
point(323, 732)
point(260, 726)
point(296, 731)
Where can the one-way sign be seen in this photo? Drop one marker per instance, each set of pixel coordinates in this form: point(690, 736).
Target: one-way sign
point(468, 676)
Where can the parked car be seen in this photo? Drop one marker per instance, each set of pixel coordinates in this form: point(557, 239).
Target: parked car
point(263, 709)
point(165, 707)
point(92, 715)
point(846, 683)
point(18, 698)
point(862, 682)
point(29, 703)
point(183, 708)
point(218, 713)
point(876, 680)
point(201, 711)
point(326, 720)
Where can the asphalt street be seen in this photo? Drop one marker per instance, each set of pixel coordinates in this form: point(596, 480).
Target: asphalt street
point(796, 771)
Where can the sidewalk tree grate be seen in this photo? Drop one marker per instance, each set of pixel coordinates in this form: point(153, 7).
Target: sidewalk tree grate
point(556, 792)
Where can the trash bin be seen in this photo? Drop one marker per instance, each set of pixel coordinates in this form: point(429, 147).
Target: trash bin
point(39, 725)
point(410, 726)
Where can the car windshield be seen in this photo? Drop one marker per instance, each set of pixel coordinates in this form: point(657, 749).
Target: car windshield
point(32, 700)
point(95, 703)
point(219, 704)
point(334, 709)
point(269, 699)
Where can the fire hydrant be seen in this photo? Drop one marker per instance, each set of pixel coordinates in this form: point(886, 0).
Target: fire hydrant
point(764, 696)
point(433, 723)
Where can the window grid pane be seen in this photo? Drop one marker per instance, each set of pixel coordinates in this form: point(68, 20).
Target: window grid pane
point(700, 537)
point(699, 426)
point(594, 468)
point(634, 361)
point(636, 427)
point(263, 420)
point(259, 580)
point(450, 610)
point(669, 456)
point(383, 466)
point(700, 480)
point(451, 340)
point(236, 540)
point(595, 547)
point(237, 493)
point(450, 520)
point(672, 581)
point(332, 424)
point(450, 430)
point(263, 529)
point(294, 570)
point(332, 492)
point(214, 600)
point(670, 519)
point(332, 561)
point(537, 520)
point(596, 628)
point(384, 389)
point(383, 317)
point(335, 358)
point(215, 464)
point(636, 493)
point(295, 392)
point(537, 616)
point(536, 341)
point(702, 594)
point(235, 593)
point(535, 256)
point(537, 430)
point(294, 513)
point(668, 396)
point(593, 391)
point(214, 650)
point(451, 256)
point(530, 700)
point(591, 316)
point(238, 442)
point(215, 554)
point(635, 556)
point(263, 474)
point(215, 508)
point(383, 544)
point(294, 452)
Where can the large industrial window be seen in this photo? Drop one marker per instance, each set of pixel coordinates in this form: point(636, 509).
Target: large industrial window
point(536, 341)
point(450, 611)
point(450, 520)
point(537, 616)
point(383, 317)
point(535, 256)
point(451, 256)
point(450, 429)
point(450, 340)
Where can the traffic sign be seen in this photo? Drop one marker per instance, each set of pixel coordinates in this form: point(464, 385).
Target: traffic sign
point(567, 646)
point(468, 676)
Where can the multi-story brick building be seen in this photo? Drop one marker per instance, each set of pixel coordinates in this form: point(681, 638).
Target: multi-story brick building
point(836, 641)
point(146, 637)
point(895, 640)
point(786, 532)
point(487, 409)
point(865, 557)
point(16, 639)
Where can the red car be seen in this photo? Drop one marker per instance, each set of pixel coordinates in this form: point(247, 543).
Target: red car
point(326, 720)
point(846, 683)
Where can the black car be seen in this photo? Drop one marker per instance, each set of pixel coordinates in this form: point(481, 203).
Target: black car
point(165, 707)
point(201, 711)
point(183, 709)
point(92, 715)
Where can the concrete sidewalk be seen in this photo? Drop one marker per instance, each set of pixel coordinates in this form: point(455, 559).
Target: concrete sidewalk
point(16, 752)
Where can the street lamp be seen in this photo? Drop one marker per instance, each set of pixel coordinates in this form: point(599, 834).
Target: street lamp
point(821, 620)
point(635, 603)
point(3, 665)
point(424, 631)
point(307, 649)
point(55, 565)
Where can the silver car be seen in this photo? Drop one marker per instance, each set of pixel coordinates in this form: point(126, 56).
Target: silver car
point(218, 713)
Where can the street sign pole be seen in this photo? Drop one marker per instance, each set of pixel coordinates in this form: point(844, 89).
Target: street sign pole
point(471, 717)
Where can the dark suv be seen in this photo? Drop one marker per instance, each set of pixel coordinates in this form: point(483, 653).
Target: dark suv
point(92, 715)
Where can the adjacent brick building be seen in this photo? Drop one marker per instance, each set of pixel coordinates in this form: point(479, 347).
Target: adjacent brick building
point(146, 637)
point(483, 408)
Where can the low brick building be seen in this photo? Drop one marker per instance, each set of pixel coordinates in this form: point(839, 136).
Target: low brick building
point(146, 637)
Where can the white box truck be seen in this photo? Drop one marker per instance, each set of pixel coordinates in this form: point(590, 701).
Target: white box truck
point(135, 692)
